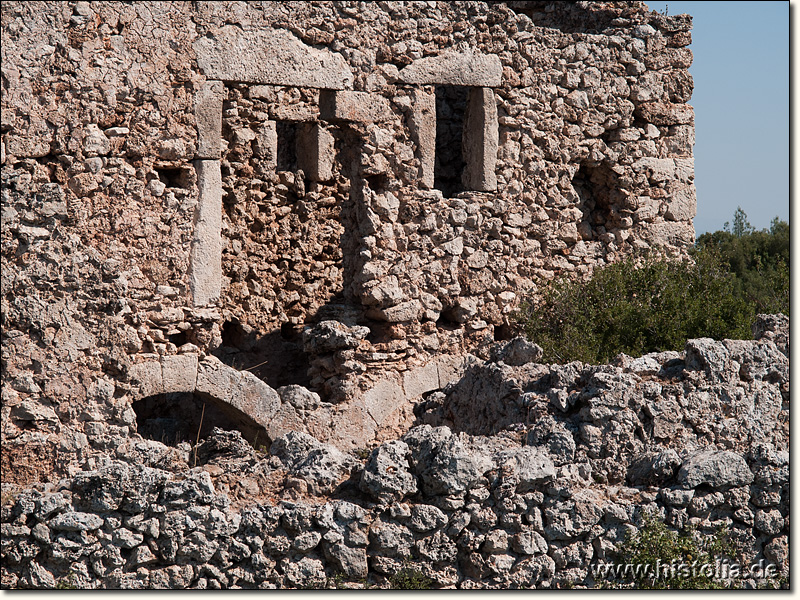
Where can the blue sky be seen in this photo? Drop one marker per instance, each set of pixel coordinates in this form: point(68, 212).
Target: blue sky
point(741, 102)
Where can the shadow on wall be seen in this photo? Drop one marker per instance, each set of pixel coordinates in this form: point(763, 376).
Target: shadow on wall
point(600, 200)
point(277, 357)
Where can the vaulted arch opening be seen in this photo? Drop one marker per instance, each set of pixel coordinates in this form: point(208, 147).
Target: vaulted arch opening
point(185, 416)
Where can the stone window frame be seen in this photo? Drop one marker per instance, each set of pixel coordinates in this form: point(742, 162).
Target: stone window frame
point(480, 73)
point(278, 57)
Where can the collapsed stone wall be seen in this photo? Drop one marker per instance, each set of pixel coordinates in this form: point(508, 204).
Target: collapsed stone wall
point(524, 475)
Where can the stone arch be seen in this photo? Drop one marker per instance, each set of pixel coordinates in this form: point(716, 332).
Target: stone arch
point(241, 396)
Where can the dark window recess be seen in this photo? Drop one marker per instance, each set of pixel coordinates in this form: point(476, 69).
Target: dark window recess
point(287, 145)
point(377, 183)
point(179, 339)
point(175, 177)
point(451, 102)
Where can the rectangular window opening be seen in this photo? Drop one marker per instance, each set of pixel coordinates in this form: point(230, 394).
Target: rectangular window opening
point(451, 102)
point(287, 145)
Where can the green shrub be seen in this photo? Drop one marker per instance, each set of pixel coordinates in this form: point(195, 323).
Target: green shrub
point(639, 305)
point(409, 578)
point(759, 261)
point(680, 556)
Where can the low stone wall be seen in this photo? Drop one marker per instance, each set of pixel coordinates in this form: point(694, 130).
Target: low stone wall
point(553, 466)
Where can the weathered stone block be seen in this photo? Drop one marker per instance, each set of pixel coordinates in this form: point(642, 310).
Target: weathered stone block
point(665, 113)
point(269, 56)
point(669, 233)
point(353, 427)
point(265, 146)
point(423, 133)
point(285, 420)
point(399, 313)
point(179, 373)
point(682, 205)
point(361, 107)
point(208, 116)
point(147, 375)
point(315, 152)
point(451, 368)
point(718, 468)
point(254, 398)
point(467, 69)
point(205, 260)
point(215, 379)
point(480, 141)
point(383, 399)
point(420, 380)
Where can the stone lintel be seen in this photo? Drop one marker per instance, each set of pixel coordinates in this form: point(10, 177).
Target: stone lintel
point(465, 69)
point(269, 57)
point(205, 259)
point(361, 107)
point(480, 141)
point(208, 116)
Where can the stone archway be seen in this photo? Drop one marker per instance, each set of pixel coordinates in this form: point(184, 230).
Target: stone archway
point(246, 401)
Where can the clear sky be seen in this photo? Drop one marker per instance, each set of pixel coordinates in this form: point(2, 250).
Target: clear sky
point(741, 103)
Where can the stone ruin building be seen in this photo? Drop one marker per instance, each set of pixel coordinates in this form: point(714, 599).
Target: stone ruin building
point(345, 196)
point(305, 218)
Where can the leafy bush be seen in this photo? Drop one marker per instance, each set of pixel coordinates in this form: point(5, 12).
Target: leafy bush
point(759, 261)
point(647, 304)
point(679, 556)
point(639, 305)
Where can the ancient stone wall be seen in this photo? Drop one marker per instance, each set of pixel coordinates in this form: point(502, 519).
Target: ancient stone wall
point(523, 475)
point(345, 196)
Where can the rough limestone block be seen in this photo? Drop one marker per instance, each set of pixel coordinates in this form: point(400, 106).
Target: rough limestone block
point(147, 375)
point(399, 313)
point(669, 233)
point(383, 399)
point(353, 427)
point(254, 398)
point(718, 468)
point(452, 368)
point(205, 260)
point(658, 170)
point(265, 145)
point(682, 205)
point(420, 380)
point(684, 169)
point(215, 379)
point(665, 113)
point(179, 373)
point(361, 107)
point(284, 421)
point(423, 133)
point(467, 69)
point(270, 57)
point(315, 152)
point(208, 115)
point(480, 141)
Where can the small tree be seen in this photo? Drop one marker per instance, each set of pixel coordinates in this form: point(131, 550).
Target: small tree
point(741, 226)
